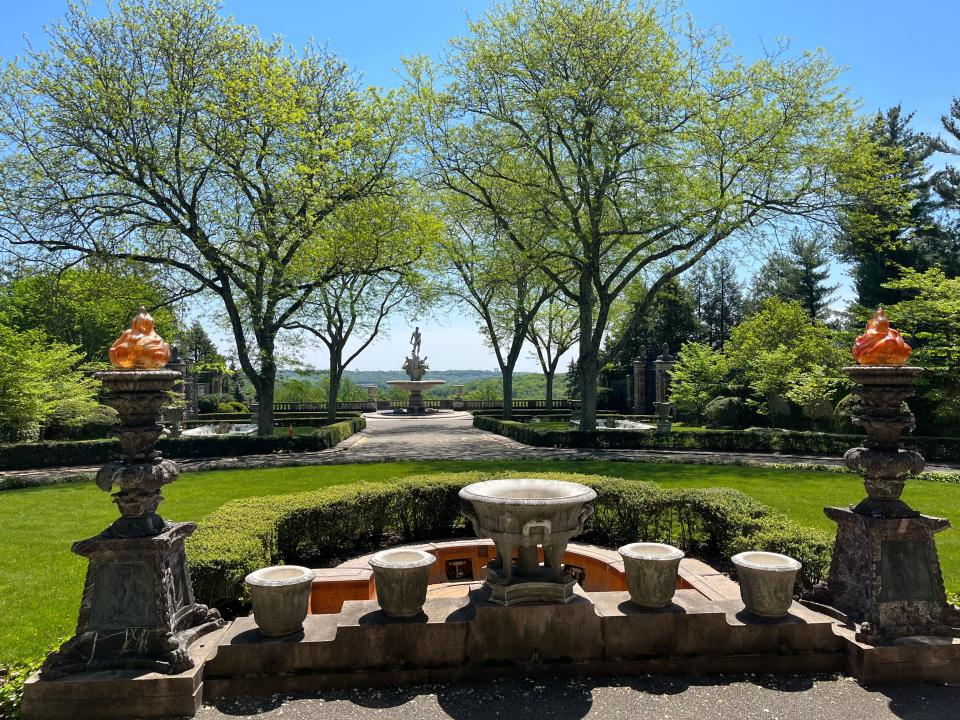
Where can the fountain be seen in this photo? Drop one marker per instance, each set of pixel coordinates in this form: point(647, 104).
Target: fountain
point(524, 514)
point(415, 367)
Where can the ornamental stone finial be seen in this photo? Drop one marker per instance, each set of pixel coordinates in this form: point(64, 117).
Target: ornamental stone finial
point(140, 347)
point(880, 344)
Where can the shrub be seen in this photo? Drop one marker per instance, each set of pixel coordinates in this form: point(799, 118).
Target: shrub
point(329, 525)
point(210, 403)
point(768, 440)
point(92, 425)
point(20, 456)
point(727, 412)
point(234, 406)
point(848, 406)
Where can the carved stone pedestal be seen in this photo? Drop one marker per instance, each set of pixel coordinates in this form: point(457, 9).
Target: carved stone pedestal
point(137, 609)
point(524, 590)
point(885, 574)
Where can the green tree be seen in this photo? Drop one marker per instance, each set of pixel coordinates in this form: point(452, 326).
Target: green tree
point(166, 134)
point(485, 274)
point(888, 220)
point(780, 352)
point(636, 142)
point(798, 274)
point(87, 306)
point(199, 352)
point(722, 301)
point(669, 320)
point(392, 235)
point(40, 378)
point(552, 333)
point(700, 375)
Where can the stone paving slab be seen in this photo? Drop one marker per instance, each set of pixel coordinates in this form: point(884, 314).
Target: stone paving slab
point(634, 698)
point(389, 439)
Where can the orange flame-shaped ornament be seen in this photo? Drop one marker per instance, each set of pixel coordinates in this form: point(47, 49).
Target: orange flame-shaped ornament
point(880, 344)
point(140, 348)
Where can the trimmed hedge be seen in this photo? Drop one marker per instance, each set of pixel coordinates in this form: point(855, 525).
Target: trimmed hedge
point(751, 440)
point(19, 456)
point(333, 524)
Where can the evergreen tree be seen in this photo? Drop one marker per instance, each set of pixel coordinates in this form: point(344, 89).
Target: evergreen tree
point(881, 231)
point(670, 320)
point(946, 182)
point(197, 349)
point(723, 302)
point(798, 274)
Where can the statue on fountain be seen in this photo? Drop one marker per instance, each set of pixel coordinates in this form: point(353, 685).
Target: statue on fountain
point(415, 366)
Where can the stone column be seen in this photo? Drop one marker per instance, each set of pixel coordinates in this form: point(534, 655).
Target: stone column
point(371, 405)
point(137, 609)
point(663, 407)
point(458, 397)
point(639, 385)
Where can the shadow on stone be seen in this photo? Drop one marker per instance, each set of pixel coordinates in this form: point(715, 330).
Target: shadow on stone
point(382, 698)
point(748, 618)
point(378, 617)
point(627, 607)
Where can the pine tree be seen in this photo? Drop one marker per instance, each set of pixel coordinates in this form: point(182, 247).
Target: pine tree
point(881, 232)
point(723, 301)
point(798, 274)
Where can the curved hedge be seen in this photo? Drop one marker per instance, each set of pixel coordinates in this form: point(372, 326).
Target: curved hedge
point(20, 456)
point(343, 521)
point(751, 440)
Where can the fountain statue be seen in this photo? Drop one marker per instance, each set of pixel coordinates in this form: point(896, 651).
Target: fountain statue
point(415, 367)
point(523, 514)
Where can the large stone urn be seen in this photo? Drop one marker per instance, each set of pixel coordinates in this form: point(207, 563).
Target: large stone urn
point(280, 595)
point(137, 609)
point(766, 582)
point(402, 576)
point(527, 514)
point(651, 570)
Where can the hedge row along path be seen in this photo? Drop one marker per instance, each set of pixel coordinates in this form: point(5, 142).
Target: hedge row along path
point(388, 439)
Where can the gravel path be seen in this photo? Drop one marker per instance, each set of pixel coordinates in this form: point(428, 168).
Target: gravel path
point(641, 698)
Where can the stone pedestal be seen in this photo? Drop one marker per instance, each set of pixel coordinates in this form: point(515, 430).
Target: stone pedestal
point(371, 405)
point(885, 574)
point(664, 416)
point(137, 609)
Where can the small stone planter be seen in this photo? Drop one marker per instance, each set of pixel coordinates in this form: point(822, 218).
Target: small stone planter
point(766, 582)
point(651, 570)
point(280, 597)
point(401, 576)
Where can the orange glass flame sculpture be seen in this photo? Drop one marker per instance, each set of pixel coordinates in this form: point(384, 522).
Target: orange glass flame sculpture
point(880, 344)
point(140, 348)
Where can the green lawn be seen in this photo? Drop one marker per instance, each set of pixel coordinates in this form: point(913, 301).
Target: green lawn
point(41, 580)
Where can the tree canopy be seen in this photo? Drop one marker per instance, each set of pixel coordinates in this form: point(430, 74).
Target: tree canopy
point(637, 143)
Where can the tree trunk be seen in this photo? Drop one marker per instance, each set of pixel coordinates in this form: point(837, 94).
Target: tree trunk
point(548, 403)
point(588, 365)
point(265, 390)
point(507, 392)
point(335, 379)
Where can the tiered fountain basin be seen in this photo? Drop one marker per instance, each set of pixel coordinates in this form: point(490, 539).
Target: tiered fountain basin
point(535, 519)
point(416, 389)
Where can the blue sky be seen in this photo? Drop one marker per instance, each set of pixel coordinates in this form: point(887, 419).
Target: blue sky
point(894, 52)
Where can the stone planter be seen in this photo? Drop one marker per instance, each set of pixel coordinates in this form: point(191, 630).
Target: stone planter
point(401, 576)
point(766, 582)
point(280, 597)
point(651, 570)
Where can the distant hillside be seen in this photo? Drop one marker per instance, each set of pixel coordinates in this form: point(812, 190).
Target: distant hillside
point(478, 384)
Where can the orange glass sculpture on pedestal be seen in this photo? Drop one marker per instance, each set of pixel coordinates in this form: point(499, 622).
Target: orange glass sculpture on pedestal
point(880, 344)
point(140, 348)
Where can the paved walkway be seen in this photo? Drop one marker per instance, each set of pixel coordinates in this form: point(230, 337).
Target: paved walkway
point(640, 698)
point(390, 439)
